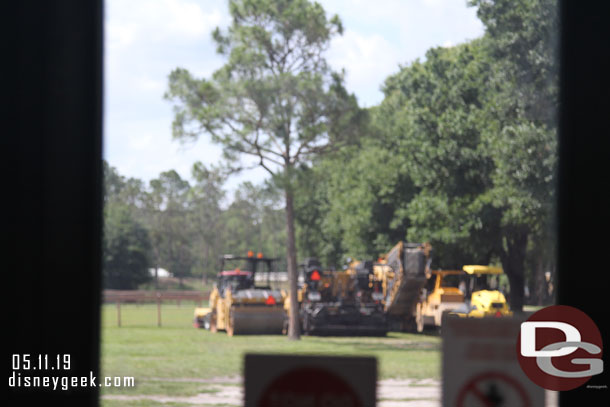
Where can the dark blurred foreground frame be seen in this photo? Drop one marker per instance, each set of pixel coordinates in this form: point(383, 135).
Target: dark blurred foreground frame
point(53, 144)
point(583, 246)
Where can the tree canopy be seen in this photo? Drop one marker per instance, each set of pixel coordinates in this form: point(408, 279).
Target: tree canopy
point(461, 152)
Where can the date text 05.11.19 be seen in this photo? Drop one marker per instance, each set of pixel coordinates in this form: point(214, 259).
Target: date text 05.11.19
point(40, 362)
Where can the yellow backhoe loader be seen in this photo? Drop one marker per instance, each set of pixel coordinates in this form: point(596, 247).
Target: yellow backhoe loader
point(237, 304)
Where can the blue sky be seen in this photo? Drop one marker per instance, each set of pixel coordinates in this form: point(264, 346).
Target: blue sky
point(146, 39)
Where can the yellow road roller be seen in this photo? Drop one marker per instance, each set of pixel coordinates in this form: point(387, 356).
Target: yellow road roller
point(441, 294)
point(238, 305)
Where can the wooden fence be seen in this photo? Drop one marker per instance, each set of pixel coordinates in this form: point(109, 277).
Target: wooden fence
point(136, 296)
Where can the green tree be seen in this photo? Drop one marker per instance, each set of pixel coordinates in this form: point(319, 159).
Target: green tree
point(435, 120)
point(312, 203)
point(114, 183)
point(126, 249)
point(170, 229)
point(368, 190)
point(253, 221)
point(205, 217)
point(243, 221)
point(485, 176)
point(523, 40)
point(126, 244)
point(275, 100)
point(462, 152)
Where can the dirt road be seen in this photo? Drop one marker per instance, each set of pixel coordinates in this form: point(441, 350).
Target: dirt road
point(227, 391)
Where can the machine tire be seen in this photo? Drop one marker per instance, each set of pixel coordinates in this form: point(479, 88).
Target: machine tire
point(419, 318)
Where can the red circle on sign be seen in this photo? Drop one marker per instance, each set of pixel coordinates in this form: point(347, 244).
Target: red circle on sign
point(472, 388)
point(545, 336)
point(309, 386)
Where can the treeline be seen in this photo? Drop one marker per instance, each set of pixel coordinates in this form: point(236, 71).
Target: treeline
point(461, 152)
point(184, 226)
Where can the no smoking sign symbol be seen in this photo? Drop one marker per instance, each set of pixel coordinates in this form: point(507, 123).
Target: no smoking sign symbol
point(493, 389)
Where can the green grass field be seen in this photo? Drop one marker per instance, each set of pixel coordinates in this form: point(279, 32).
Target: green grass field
point(180, 352)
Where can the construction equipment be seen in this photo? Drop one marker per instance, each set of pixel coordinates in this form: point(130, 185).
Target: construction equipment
point(483, 299)
point(441, 294)
point(339, 302)
point(402, 274)
point(366, 298)
point(237, 305)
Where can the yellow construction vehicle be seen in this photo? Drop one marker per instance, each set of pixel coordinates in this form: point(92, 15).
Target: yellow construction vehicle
point(482, 297)
point(338, 302)
point(237, 304)
point(441, 294)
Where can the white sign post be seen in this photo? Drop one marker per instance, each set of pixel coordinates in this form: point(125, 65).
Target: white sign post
point(480, 366)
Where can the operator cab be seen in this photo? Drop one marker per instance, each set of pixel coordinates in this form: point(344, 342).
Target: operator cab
point(235, 280)
point(238, 272)
point(444, 286)
point(481, 292)
point(479, 282)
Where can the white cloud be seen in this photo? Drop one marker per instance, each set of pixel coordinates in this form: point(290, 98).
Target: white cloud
point(146, 83)
point(188, 19)
point(436, 3)
point(140, 142)
point(380, 35)
point(120, 35)
point(161, 20)
point(367, 60)
point(146, 39)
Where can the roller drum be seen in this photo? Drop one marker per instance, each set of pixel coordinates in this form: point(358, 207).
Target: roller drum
point(253, 319)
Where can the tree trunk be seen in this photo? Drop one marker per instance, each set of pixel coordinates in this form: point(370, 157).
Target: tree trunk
point(540, 283)
point(293, 325)
point(206, 263)
point(513, 262)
